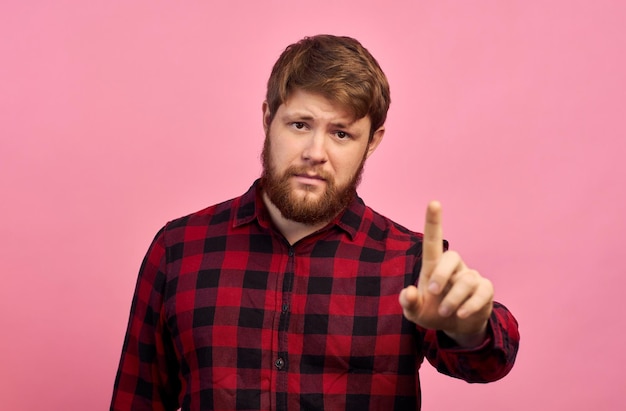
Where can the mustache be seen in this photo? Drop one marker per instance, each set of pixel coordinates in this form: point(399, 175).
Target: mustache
point(312, 171)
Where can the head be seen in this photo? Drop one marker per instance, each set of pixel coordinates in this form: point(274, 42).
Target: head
point(326, 104)
point(338, 68)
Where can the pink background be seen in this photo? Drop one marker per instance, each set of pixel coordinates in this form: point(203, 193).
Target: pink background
point(118, 116)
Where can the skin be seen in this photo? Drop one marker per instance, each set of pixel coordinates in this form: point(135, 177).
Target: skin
point(311, 131)
point(449, 295)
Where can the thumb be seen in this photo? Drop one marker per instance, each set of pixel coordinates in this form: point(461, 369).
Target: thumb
point(410, 300)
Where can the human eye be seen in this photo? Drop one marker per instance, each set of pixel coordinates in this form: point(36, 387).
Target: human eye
point(342, 135)
point(298, 125)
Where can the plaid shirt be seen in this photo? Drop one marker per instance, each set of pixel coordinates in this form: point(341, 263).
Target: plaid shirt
point(227, 315)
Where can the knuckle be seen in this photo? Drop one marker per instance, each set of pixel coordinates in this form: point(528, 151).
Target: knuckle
point(452, 255)
point(468, 278)
point(456, 295)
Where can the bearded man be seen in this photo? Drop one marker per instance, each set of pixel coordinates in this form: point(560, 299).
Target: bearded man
point(297, 295)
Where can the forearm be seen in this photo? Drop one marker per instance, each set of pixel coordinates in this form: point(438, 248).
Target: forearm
point(487, 361)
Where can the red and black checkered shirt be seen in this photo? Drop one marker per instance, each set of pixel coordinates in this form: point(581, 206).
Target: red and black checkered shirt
point(227, 315)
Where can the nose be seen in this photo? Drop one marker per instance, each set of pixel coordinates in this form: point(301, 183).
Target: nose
point(315, 149)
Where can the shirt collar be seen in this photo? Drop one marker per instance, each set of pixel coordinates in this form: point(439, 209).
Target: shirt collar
point(251, 207)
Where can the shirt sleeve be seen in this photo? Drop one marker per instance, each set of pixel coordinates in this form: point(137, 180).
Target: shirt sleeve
point(147, 377)
point(488, 362)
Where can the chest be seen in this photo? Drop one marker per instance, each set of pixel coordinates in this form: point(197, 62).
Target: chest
point(328, 305)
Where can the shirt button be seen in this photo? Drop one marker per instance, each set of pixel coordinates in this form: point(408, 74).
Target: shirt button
point(279, 363)
point(285, 308)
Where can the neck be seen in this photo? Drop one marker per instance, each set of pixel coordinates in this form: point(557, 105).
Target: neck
point(291, 230)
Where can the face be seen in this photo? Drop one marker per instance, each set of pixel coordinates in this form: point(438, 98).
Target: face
point(313, 157)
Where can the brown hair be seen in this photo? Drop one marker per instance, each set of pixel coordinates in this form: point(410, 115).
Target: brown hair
point(339, 68)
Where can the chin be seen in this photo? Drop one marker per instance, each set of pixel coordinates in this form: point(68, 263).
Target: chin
point(304, 197)
point(308, 190)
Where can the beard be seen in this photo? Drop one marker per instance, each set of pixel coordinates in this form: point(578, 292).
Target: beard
point(304, 209)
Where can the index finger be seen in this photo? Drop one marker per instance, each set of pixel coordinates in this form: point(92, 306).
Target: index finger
point(432, 246)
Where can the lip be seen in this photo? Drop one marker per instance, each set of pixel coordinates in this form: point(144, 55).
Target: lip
point(309, 178)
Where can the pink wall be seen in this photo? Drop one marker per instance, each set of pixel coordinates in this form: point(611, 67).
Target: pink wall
point(117, 116)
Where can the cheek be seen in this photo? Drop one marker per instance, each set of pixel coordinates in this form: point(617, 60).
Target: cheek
point(286, 152)
point(281, 158)
point(344, 170)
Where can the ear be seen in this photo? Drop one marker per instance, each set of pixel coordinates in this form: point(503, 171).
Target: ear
point(266, 116)
point(375, 141)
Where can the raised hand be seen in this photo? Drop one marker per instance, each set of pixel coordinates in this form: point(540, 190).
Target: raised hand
point(449, 296)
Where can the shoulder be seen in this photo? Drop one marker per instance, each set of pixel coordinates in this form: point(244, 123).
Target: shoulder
point(364, 223)
point(378, 228)
point(211, 215)
point(375, 220)
point(222, 214)
point(384, 228)
point(197, 226)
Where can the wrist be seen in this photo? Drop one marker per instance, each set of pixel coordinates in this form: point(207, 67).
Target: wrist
point(469, 340)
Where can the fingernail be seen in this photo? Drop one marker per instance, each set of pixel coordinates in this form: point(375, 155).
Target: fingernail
point(444, 311)
point(433, 287)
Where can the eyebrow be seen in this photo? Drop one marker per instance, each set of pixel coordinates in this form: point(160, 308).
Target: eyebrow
point(306, 117)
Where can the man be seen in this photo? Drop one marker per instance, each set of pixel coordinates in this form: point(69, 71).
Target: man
point(296, 295)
